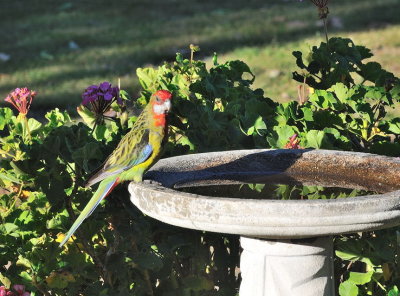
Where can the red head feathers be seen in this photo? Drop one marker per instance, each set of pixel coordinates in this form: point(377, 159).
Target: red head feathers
point(161, 103)
point(163, 94)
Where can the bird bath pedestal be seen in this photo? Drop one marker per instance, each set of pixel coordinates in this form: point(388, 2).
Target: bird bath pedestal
point(287, 244)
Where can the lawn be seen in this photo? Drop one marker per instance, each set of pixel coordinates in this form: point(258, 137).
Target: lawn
point(58, 48)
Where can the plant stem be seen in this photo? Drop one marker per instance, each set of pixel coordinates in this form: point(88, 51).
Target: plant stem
point(326, 30)
point(27, 131)
point(7, 153)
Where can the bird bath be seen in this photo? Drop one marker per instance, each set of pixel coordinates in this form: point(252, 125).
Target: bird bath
point(287, 244)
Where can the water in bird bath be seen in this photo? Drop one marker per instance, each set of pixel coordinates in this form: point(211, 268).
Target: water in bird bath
point(274, 186)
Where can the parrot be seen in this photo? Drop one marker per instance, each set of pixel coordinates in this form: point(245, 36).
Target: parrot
point(137, 151)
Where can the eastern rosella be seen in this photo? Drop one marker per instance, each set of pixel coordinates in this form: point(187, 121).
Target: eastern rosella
point(137, 151)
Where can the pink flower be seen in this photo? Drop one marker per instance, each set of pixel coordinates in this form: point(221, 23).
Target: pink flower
point(320, 3)
point(20, 289)
point(3, 291)
point(322, 6)
point(21, 99)
point(294, 143)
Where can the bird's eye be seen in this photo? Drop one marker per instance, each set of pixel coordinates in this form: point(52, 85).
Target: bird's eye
point(158, 99)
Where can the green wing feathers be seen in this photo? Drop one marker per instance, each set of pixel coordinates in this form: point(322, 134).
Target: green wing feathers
point(132, 150)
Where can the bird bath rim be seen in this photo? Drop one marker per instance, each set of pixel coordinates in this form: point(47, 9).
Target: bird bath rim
point(277, 219)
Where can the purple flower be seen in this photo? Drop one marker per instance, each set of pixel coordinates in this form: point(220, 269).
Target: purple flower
point(98, 94)
point(21, 99)
point(90, 94)
point(99, 99)
point(108, 96)
point(105, 86)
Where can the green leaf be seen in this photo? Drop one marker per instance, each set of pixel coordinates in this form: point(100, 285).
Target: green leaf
point(378, 94)
point(57, 118)
point(315, 138)
point(348, 289)
point(26, 276)
point(394, 126)
point(281, 136)
point(350, 256)
point(33, 124)
point(100, 132)
point(55, 223)
point(287, 113)
point(8, 228)
point(299, 59)
point(124, 95)
point(60, 280)
point(341, 92)
point(308, 114)
point(88, 116)
point(82, 156)
point(5, 281)
point(394, 291)
point(22, 261)
point(25, 217)
point(259, 124)
point(371, 71)
point(4, 175)
point(147, 77)
point(5, 117)
point(326, 118)
point(215, 59)
point(386, 148)
point(360, 278)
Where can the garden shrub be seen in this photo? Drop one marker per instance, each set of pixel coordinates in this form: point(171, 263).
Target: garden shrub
point(118, 250)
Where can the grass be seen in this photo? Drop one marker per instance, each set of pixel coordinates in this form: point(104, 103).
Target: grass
point(116, 37)
point(273, 64)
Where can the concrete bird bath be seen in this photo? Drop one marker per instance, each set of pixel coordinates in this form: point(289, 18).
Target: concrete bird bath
point(287, 244)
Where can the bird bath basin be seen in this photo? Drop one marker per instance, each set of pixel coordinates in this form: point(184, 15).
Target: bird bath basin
point(287, 244)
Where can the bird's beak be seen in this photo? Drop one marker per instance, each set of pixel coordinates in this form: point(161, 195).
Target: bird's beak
point(167, 106)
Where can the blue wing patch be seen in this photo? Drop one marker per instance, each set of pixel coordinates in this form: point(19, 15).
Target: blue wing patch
point(143, 156)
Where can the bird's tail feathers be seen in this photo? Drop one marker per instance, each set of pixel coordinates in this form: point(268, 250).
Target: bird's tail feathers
point(105, 187)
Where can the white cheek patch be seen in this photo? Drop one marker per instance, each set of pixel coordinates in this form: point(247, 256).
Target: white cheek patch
point(161, 109)
point(158, 109)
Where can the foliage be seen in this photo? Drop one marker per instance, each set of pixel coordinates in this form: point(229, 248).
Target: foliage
point(337, 61)
point(213, 109)
point(341, 118)
point(44, 166)
point(114, 253)
point(368, 263)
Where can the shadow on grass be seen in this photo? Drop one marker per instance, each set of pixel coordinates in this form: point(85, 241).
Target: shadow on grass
point(116, 38)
